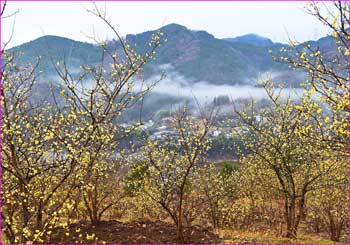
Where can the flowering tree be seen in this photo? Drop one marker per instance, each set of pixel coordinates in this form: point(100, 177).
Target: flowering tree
point(60, 152)
point(166, 167)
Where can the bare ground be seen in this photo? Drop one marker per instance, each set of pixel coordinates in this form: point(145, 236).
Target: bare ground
point(132, 232)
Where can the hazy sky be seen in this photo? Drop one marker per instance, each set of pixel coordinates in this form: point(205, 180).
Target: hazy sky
point(275, 20)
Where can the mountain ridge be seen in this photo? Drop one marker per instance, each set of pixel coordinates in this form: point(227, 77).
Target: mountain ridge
point(194, 54)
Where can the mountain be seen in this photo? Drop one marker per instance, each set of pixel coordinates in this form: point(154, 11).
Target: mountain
point(196, 56)
point(252, 39)
point(54, 49)
point(199, 56)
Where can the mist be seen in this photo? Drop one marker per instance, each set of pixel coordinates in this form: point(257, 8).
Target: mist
point(174, 90)
point(177, 85)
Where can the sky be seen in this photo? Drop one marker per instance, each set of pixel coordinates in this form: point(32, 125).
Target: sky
point(275, 20)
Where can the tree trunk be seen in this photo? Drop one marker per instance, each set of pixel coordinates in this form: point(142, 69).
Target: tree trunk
point(290, 217)
point(293, 214)
point(25, 215)
point(335, 227)
point(180, 233)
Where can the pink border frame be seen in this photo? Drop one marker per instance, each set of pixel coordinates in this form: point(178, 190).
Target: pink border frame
point(1, 91)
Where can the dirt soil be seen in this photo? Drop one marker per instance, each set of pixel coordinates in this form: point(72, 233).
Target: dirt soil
point(133, 232)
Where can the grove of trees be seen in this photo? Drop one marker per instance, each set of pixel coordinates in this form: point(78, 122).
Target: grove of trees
point(62, 163)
